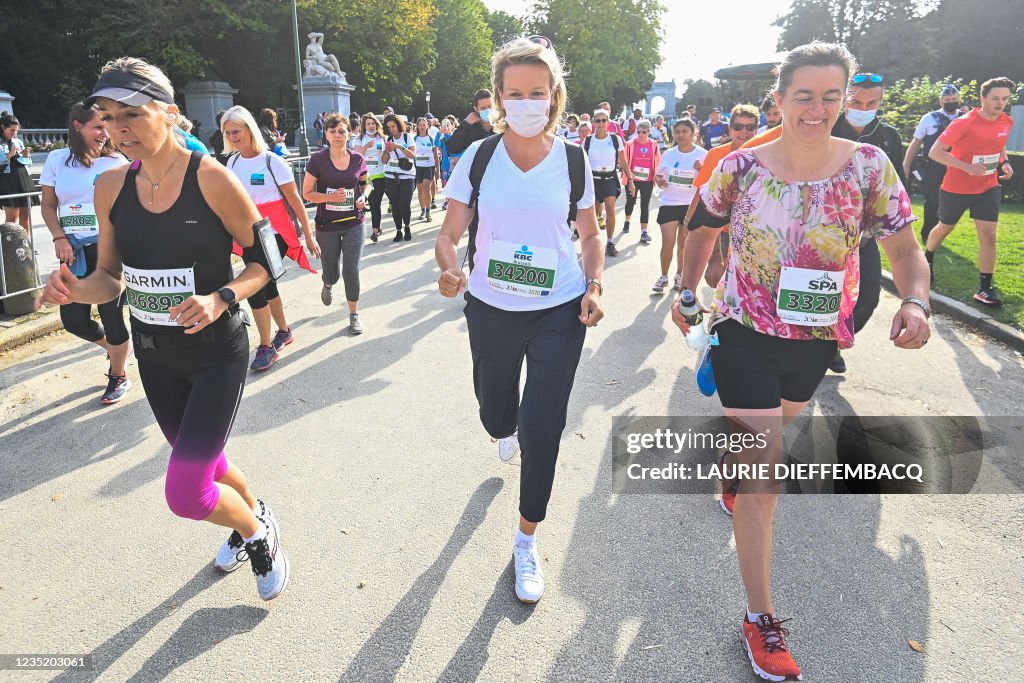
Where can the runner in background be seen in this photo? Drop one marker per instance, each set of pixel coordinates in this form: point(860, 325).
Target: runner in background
point(606, 152)
point(716, 131)
point(426, 161)
point(931, 173)
point(69, 211)
point(642, 158)
point(660, 134)
point(371, 146)
point(974, 149)
point(771, 113)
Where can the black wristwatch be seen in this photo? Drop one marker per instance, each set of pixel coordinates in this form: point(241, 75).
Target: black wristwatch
point(227, 295)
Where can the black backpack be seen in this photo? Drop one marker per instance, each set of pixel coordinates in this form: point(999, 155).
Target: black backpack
point(577, 184)
point(615, 144)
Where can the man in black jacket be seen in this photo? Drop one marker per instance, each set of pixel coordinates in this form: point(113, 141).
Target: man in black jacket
point(860, 123)
point(476, 125)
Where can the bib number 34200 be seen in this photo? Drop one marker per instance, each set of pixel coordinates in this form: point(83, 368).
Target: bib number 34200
point(809, 297)
point(521, 270)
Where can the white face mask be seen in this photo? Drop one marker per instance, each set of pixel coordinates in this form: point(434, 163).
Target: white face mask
point(527, 117)
point(859, 118)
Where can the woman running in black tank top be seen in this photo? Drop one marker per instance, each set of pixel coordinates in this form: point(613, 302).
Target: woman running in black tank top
point(166, 227)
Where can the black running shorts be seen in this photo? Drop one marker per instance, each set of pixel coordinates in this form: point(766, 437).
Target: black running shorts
point(984, 206)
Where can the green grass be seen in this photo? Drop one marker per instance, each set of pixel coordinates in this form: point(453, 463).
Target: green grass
point(956, 263)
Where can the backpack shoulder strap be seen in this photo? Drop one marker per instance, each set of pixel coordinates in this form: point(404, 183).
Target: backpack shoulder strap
point(577, 177)
point(586, 143)
point(476, 175)
point(615, 142)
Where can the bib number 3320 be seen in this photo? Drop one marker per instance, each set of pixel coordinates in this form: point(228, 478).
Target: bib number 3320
point(810, 297)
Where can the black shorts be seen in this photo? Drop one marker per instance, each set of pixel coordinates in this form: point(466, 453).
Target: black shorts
point(984, 206)
point(606, 187)
point(667, 214)
point(755, 370)
point(424, 173)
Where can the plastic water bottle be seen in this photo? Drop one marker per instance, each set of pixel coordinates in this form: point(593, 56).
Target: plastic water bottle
point(690, 308)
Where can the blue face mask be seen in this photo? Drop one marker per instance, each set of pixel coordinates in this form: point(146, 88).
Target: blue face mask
point(486, 114)
point(859, 118)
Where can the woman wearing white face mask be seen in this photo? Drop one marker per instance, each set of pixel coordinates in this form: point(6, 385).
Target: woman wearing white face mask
point(528, 298)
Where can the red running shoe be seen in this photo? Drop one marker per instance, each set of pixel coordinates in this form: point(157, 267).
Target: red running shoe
point(729, 489)
point(767, 649)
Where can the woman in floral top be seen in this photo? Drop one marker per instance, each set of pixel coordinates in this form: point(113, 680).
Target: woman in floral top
point(797, 209)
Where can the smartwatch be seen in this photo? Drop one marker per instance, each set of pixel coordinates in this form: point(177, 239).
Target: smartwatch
point(227, 295)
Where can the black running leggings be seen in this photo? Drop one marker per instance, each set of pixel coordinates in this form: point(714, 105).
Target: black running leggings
point(644, 188)
point(194, 394)
point(400, 191)
point(77, 318)
point(376, 199)
point(551, 341)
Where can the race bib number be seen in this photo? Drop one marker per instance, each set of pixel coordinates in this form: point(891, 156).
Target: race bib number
point(78, 218)
point(683, 178)
point(393, 164)
point(716, 140)
point(423, 159)
point(373, 166)
point(151, 293)
point(641, 173)
point(521, 270)
point(809, 297)
point(990, 161)
point(348, 199)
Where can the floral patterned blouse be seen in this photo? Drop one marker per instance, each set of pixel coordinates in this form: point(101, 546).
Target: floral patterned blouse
point(814, 225)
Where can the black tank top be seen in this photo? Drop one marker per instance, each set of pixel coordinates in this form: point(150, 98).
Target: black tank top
point(169, 256)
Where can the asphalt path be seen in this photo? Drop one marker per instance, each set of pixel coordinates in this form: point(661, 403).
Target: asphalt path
point(398, 517)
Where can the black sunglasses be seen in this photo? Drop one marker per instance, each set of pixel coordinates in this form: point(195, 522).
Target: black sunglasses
point(873, 78)
point(600, 120)
point(752, 127)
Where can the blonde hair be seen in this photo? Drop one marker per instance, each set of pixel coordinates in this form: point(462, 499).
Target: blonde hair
point(523, 51)
point(239, 114)
point(140, 67)
point(747, 110)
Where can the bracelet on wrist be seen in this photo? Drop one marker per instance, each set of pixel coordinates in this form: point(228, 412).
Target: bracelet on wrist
point(62, 237)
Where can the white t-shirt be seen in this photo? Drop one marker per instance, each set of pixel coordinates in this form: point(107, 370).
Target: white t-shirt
point(603, 156)
point(391, 159)
point(425, 151)
point(374, 165)
point(677, 167)
point(256, 179)
point(523, 213)
point(74, 186)
point(928, 125)
point(571, 135)
point(433, 131)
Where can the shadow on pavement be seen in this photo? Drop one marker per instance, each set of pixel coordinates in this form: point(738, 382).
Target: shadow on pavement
point(118, 645)
point(384, 652)
point(199, 634)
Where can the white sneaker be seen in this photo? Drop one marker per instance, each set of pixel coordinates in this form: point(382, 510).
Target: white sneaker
point(508, 447)
point(660, 284)
point(529, 575)
point(232, 554)
point(678, 284)
point(269, 563)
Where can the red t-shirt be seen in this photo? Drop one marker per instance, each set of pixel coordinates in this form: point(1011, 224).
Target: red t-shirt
point(975, 139)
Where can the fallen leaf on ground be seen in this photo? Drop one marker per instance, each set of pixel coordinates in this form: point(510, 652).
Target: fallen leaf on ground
point(361, 584)
point(915, 646)
point(56, 497)
point(580, 434)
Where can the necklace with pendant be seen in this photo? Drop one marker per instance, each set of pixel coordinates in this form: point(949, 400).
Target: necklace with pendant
point(154, 187)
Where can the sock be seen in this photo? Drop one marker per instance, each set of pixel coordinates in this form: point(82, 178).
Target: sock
point(929, 255)
point(522, 540)
point(260, 533)
point(611, 241)
point(986, 280)
point(752, 617)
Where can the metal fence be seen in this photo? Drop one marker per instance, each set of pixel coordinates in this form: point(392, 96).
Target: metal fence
point(298, 166)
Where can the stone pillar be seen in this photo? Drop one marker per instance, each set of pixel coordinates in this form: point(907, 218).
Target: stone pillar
point(1016, 141)
point(325, 93)
point(203, 99)
point(7, 102)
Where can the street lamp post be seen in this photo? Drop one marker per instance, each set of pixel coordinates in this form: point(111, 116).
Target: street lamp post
point(428, 101)
point(303, 142)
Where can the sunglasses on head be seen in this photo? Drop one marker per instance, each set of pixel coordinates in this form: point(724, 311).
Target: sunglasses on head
point(868, 78)
point(540, 40)
point(751, 127)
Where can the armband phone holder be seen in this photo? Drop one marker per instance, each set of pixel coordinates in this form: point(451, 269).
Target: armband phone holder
point(267, 249)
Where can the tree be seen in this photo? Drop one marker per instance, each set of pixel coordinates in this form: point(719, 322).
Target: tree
point(700, 93)
point(839, 21)
point(464, 48)
point(979, 40)
point(504, 27)
point(611, 47)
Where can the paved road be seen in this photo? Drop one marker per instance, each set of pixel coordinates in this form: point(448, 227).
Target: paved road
point(398, 517)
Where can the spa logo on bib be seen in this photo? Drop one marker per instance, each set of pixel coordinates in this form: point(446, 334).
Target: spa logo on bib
point(823, 284)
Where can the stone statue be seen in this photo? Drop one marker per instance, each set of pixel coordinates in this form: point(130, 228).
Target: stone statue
point(320, 60)
point(314, 69)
